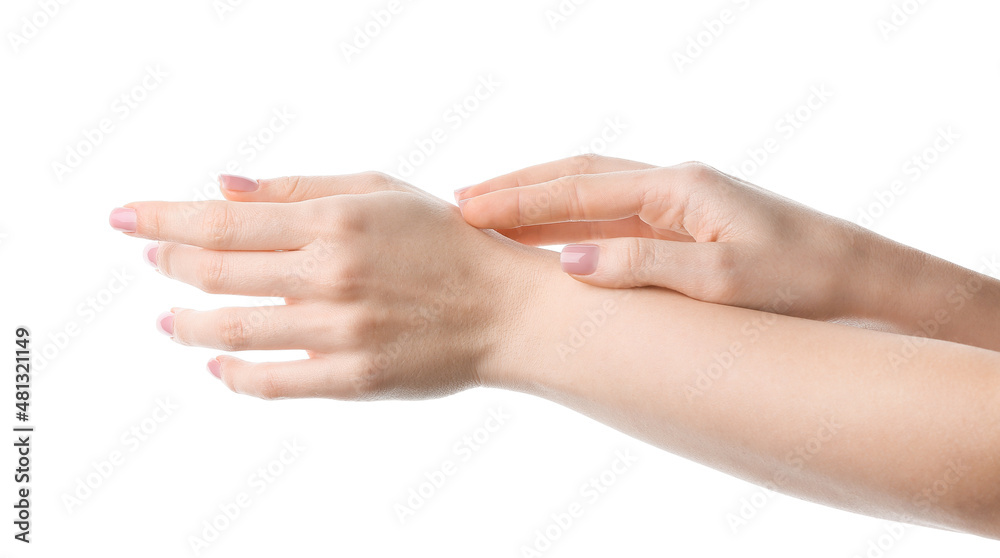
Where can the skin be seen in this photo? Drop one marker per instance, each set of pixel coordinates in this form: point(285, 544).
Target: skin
point(716, 238)
point(394, 295)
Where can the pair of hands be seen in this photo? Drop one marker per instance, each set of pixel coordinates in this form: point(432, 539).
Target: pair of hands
point(393, 295)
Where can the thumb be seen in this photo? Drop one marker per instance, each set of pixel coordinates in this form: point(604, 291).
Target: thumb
point(700, 270)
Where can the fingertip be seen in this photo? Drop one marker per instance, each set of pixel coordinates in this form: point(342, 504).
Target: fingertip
point(165, 323)
point(234, 183)
point(150, 253)
point(579, 259)
point(123, 219)
point(461, 194)
point(463, 207)
point(215, 368)
point(475, 213)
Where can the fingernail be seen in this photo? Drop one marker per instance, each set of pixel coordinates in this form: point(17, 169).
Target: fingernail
point(237, 183)
point(458, 194)
point(215, 368)
point(123, 219)
point(579, 259)
point(461, 203)
point(150, 253)
point(165, 323)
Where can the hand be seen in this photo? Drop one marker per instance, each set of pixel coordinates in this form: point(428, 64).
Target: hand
point(389, 291)
point(689, 228)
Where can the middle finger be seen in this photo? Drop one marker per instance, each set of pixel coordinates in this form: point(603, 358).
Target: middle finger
point(246, 273)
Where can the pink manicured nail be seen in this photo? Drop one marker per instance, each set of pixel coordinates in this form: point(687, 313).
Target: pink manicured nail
point(236, 183)
point(165, 323)
point(123, 219)
point(579, 259)
point(150, 253)
point(459, 192)
point(215, 368)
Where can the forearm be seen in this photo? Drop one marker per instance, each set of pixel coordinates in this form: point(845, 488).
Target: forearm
point(857, 419)
point(908, 291)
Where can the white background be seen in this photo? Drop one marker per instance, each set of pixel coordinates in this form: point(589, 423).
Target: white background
point(560, 83)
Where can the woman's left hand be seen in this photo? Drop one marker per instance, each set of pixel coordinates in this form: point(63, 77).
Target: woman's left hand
point(387, 288)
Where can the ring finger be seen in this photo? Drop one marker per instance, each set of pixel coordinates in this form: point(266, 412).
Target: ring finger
point(279, 327)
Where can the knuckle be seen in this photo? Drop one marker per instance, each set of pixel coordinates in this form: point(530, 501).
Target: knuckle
point(377, 177)
point(218, 224)
point(696, 172)
point(234, 332)
point(213, 273)
point(269, 385)
point(152, 219)
point(574, 205)
point(344, 279)
point(379, 180)
point(166, 258)
point(292, 186)
point(640, 259)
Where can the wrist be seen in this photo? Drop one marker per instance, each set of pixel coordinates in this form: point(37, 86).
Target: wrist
point(903, 287)
point(533, 305)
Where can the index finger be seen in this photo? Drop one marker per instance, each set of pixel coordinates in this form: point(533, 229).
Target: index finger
point(545, 172)
point(218, 225)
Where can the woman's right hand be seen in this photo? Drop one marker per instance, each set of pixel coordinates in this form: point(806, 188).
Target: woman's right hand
point(715, 238)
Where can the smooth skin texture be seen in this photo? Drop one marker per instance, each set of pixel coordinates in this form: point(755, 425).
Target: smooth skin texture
point(716, 238)
point(394, 295)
